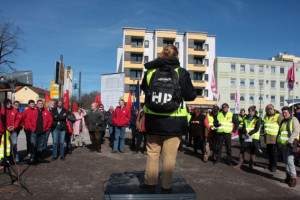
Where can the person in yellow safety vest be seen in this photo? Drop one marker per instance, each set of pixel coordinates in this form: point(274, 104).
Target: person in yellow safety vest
point(272, 121)
point(227, 124)
point(211, 134)
point(242, 116)
point(251, 133)
point(288, 132)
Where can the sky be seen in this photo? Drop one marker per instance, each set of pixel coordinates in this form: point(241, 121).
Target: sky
point(88, 32)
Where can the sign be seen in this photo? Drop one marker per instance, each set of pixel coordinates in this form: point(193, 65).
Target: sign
point(112, 88)
point(59, 73)
point(54, 90)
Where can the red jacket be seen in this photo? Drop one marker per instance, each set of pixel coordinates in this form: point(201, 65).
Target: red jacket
point(47, 120)
point(13, 118)
point(26, 117)
point(121, 117)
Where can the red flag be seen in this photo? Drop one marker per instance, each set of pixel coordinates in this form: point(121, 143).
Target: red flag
point(213, 86)
point(98, 100)
point(66, 97)
point(74, 107)
point(129, 102)
point(219, 99)
point(47, 98)
point(290, 79)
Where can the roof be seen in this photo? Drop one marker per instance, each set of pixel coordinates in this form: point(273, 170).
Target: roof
point(35, 89)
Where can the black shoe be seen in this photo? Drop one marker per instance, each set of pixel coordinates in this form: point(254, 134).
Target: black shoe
point(121, 151)
point(31, 161)
point(69, 152)
point(54, 158)
point(92, 150)
point(217, 162)
point(149, 188)
point(98, 150)
point(114, 152)
point(62, 158)
point(163, 190)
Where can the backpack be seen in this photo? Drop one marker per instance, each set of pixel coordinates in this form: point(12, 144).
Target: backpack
point(163, 93)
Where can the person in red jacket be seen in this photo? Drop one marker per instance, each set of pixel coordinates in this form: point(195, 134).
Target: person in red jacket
point(120, 119)
point(40, 121)
point(27, 130)
point(12, 123)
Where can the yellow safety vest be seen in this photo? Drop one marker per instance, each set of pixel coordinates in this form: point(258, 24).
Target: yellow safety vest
point(241, 121)
point(7, 145)
point(271, 125)
point(180, 112)
point(210, 122)
point(250, 126)
point(284, 135)
point(226, 122)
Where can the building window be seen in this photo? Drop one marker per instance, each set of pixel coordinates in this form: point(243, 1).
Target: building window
point(207, 47)
point(136, 74)
point(281, 84)
point(132, 89)
point(273, 99)
point(198, 60)
point(242, 68)
point(281, 70)
point(199, 92)
point(136, 42)
point(267, 96)
point(261, 68)
point(198, 46)
point(251, 97)
point(136, 58)
point(261, 98)
point(261, 83)
point(233, 67)
point(232, 82)
point(146, 59)
point(242, 83)
point(206, 77)
point(273, 70)
point(206, 62)
point(251, 83)
point(167, 42)
point(273, 84)
point(281, 100)
point(198, 76)
point(206, 93)
point(146, 43)
point(252, 68)
point(242, 97)
point(297, 83)
point(232, 96)
point(267, 82)
point(177, 45)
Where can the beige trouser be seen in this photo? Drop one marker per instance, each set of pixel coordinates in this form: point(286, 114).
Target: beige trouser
point(169, 146)
point(210, 146)
point(78, 139)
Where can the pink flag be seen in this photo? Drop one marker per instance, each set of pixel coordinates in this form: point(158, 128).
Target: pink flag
point(213, 87)
point(237, 100)
point(219, 99)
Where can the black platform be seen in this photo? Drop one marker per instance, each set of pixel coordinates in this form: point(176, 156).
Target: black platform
point(125, 186)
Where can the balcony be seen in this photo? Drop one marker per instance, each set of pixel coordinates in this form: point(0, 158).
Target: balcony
point(197, 37)
point(197, 83)
point(197, 52)
point(134, 48)
point(136, 65)
point(197, 67)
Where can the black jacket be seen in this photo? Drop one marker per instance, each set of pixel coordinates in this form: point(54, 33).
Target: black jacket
point(167, 125)
point(108, 117)
point(94, 120)
point(61, 118)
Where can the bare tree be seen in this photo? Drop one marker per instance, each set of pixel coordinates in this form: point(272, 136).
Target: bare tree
point(10, 43)
point(88, 99)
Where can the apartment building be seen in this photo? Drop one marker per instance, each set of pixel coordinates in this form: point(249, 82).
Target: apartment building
point(196, 54)
point(260, 82)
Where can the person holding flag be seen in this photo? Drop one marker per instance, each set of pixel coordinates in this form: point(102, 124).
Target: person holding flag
point(98, 100)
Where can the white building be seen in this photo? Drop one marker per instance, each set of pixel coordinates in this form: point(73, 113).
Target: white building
point(196, 54)
point(260, 82)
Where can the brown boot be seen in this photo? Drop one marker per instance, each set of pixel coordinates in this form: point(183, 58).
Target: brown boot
point(287, 179)
point(293, 182)
point(252, 160)
point(238, 166)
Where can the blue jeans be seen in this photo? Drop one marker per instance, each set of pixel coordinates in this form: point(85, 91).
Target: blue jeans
point(37, 142)
point(288, 158)
point(68, 141)
point(119, 132)
point(46, 138)
point(110, 129)
point(14, 139)
point(58, 136)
